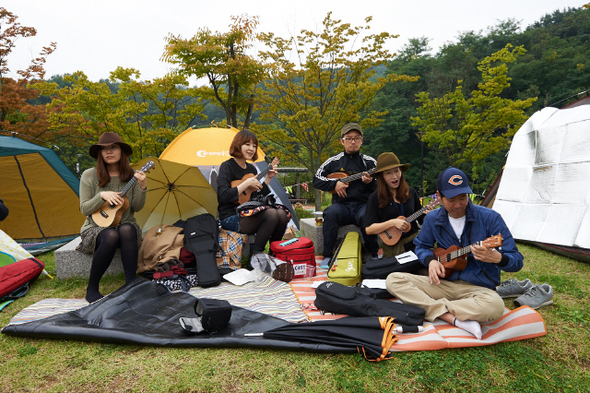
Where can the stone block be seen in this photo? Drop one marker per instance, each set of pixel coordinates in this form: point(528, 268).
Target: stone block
point(72, 263)
point(309, 229)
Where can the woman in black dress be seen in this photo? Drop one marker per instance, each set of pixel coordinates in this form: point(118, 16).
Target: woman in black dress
point(392, 199)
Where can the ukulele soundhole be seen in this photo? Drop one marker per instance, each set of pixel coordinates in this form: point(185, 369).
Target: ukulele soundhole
point(445, 258)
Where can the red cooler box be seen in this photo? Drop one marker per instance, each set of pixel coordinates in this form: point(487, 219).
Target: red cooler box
point(298, 251)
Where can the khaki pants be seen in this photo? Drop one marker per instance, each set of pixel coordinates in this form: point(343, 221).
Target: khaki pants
point(460, 298)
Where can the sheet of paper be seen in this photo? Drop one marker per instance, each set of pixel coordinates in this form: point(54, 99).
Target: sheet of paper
point(240, 276)
point(374, 283)
point(316, 284)
point(406, 257)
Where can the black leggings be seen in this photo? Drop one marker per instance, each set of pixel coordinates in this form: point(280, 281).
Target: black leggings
point(107, 242)
point(268, 225)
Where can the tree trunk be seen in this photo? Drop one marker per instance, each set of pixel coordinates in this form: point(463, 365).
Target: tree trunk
point(318, 199)
point(234, 116)
point(228, 118)
point(317, 193)
point(248, 116)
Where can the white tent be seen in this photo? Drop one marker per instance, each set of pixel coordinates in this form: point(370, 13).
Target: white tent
point(544, 194)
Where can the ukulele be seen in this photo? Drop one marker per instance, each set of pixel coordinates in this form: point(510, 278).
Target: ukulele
point(391, 235)
point(110, 215)
point(454, 258)
point(345, 178)
point(245, 195)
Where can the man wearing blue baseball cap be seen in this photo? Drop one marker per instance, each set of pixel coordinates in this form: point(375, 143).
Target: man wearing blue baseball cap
point(466, 297)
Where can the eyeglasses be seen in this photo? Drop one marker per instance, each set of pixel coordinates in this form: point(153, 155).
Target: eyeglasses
point(355, 139)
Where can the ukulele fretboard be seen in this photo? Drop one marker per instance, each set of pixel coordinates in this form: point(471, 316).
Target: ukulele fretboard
point(356, 176)
point(457, 253)
point(418, 213)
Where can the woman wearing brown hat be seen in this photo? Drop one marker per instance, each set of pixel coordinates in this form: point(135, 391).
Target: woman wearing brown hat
point(101, 184)
point(392, 199)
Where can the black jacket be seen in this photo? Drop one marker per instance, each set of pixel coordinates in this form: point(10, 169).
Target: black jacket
point(350, 164)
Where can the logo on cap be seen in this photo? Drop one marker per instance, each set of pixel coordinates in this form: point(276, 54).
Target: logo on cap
point(456, 180)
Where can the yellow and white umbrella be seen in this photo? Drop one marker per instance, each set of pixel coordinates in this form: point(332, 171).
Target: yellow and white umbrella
point(175, 192)
point(203, 147)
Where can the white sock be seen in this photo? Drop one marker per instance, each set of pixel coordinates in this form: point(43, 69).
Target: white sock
point(472, 327)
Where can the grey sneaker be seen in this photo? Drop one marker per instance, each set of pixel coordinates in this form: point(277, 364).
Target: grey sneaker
point(538, 296)
point(513, 287)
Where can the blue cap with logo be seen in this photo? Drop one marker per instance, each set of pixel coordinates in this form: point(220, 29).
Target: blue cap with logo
point(452, 182)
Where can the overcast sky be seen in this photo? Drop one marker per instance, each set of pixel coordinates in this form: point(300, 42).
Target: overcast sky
point(97, 36)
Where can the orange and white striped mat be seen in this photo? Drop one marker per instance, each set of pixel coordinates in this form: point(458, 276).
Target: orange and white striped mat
point(519, 324)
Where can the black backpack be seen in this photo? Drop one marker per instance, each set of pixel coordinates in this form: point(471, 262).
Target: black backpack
point(201, 235)
point(357, 301)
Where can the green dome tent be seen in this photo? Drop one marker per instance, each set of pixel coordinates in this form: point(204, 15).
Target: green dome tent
point(40, 192)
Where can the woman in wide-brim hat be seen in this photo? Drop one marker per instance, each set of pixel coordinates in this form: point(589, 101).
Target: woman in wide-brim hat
point(103, 184)
point(392, 201)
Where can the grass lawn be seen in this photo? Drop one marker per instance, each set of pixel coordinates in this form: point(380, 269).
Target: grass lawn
point(557, 362)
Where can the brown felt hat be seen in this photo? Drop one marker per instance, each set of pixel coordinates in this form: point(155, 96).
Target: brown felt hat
point(387, 161)
point(106, 139)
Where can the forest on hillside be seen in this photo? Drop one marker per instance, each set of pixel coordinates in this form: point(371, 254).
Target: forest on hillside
point(555, 69)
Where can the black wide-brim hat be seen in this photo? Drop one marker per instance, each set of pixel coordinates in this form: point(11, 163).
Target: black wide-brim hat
point(107, 139)
point(387, 161)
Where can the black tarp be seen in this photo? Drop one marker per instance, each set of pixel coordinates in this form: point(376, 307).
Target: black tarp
point(145, 313)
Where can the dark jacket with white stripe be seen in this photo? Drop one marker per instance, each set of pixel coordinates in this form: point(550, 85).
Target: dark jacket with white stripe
point(350, 164)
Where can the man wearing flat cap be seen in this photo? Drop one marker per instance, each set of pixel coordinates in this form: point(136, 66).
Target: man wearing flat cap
point(349, 199)
point(467, 297)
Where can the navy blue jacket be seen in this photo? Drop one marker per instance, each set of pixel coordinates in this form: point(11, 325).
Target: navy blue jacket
point(480, 224)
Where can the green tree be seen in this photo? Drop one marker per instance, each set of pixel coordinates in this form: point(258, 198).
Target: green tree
point(469, 129)
point(556, 66)
point(307, 103)
point(222, 59)
point(554, 69)
point(16, 111)
point(396, 133)
point(146, 114)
